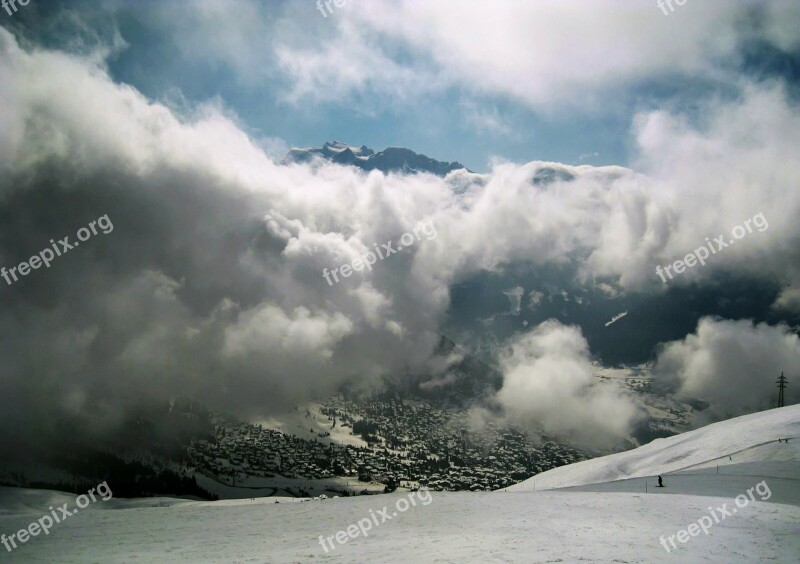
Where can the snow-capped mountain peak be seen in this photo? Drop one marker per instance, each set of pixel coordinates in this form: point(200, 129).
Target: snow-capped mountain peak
point(391, 159)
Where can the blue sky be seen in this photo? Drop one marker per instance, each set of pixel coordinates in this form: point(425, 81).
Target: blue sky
point(435, 124)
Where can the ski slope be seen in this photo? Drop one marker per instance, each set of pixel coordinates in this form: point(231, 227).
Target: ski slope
point(743, 440)
point(599, 521)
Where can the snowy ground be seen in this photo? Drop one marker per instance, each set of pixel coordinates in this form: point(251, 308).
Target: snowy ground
point(254, 486)
point(307, 421)
point(597, 520)
point(453, 527)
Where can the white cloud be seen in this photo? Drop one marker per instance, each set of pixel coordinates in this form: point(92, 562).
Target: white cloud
point(700, 183)
point(272, 332)
point(534, 299)
point(731, 364)
point(545, 54)
point(788, 300)
point(549, 385)
point(485, 118)
point(514, 296)
point(348, 67)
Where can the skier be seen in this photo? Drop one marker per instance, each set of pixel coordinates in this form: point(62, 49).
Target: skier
point(660, 484)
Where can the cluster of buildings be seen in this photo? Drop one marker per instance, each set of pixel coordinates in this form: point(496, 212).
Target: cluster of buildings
point(244, 449)
point(443, 450)
point(402, 443)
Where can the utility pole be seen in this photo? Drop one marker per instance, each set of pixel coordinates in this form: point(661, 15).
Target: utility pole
point(782, 383)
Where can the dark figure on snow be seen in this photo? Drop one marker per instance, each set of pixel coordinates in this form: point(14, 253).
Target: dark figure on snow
point(660, 484)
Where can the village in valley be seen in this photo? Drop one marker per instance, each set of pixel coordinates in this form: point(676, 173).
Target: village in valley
point(351, 447)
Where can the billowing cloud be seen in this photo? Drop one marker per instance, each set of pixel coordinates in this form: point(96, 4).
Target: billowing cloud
point(701, 184)
point(211, 283)
point(731, 364)
point(549, 385)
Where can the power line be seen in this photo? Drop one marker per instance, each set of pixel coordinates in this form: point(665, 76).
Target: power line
point(782, 383)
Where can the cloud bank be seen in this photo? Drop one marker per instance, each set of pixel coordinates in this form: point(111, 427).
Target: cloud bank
point(210, 285)
point(731, 364)
point(549, 383)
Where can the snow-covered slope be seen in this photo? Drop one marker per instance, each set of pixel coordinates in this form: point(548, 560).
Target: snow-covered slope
point(605, 522)
point(748, 439)
point(552, 526)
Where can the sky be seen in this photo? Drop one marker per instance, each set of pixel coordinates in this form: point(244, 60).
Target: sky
point(605, 140)
point(456, 92)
